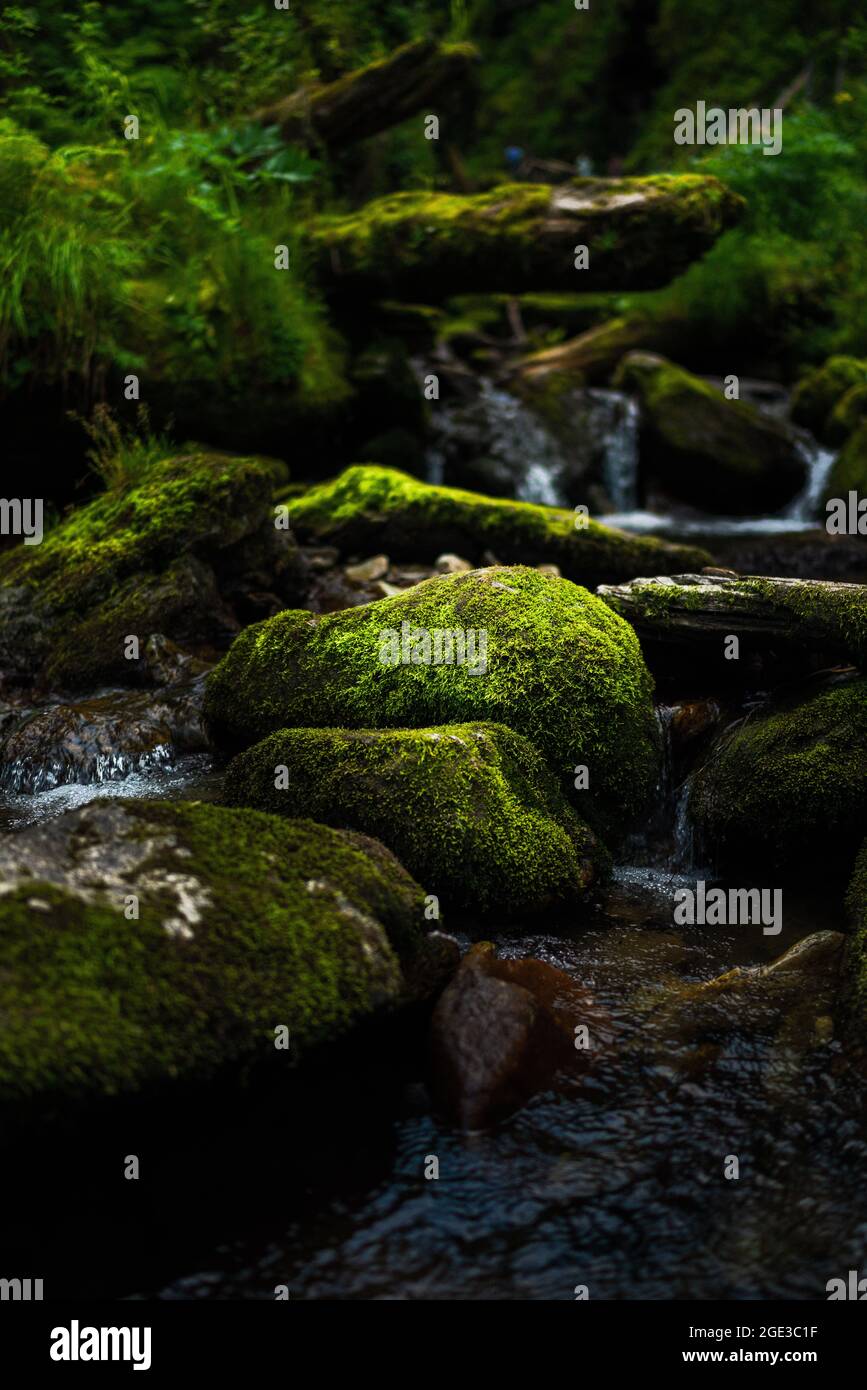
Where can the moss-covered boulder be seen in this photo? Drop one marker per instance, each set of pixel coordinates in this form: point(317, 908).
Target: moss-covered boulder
point(509, 646)
point(369, 509)
point(246, 923)
point(641, 233)
point(788, 789)
point(471, 810)
point(849, 470)
point(722, 455)
point(818, 392)
point(172, 552)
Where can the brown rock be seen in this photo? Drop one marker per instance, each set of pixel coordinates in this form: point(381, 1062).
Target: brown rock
point(500, 1032)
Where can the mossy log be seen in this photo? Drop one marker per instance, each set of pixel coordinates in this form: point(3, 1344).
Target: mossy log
point(372, 98)
point(640, 233)
point(804, 623)
point(593, 356)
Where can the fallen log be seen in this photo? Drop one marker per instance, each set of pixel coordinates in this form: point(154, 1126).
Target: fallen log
point(781, 624)
point(639, 234)
point(373, 98)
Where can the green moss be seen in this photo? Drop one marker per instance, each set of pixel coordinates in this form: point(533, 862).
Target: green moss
point(856, 909)
point(369, 508)
point(471, 810)
point(788, 789)
point(711, 451)
point(522, 236)
point(292, 927)
point(112, 567)
point(561, 669)
point(849, 471)
point(837, 608)
point(819, 392)
point(849, 412)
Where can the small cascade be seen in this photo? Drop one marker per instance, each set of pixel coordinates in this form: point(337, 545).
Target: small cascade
point(620, 442)
point(806, 507)
point(498, 428)
point(30, 775)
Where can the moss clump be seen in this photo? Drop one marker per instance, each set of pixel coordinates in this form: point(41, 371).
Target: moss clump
point(471, 810)
point(716, 453)
point(849, 412)
point(559, 668)
point(856, 910)
point(849, 472)
point(247, 922)
point(138, 558)
point(368, 508)
point(523, 236)
point(788, 789)
point(816, 394)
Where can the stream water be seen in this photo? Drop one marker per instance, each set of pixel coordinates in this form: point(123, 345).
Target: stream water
point(616, 1183)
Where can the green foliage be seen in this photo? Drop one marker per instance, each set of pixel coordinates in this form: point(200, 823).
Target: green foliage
point(798, 261)
point(120, 455)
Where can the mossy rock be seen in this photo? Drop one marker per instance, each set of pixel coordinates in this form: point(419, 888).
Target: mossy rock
point(856, 954)
point(849, 471)
point(817, 394)
point(246, 922)
point(788, 789)
point(471, 810)
point(522, 236)
point(368, 509)
point(719, 454)
point(849, 412)
point(559, 667)
point(151, 556)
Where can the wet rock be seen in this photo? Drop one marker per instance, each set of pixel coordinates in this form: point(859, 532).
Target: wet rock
point(104, 739)
point(537, 654)
point(793, 999)
point(500, 1032)
point(471, 810)
point(722, 455)
point(145, 944)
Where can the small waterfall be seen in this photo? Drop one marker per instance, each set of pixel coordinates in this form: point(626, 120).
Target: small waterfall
point(496, 426)
point(620, 441)
point(30, 775)
point(806, 507)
